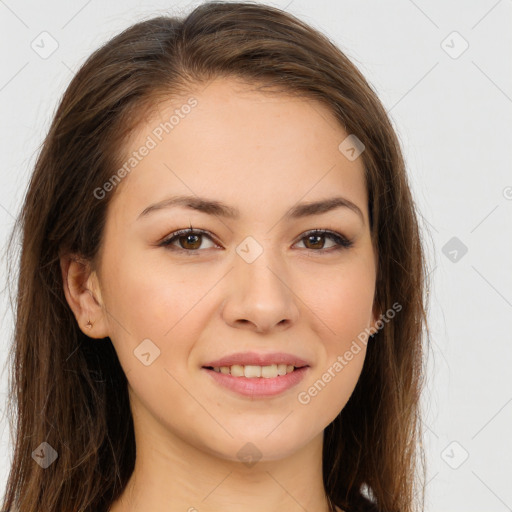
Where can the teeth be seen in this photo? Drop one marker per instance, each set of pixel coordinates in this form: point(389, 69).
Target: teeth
point(237, 370)
point(252, 371)
point(281, 369)
point(269, 372)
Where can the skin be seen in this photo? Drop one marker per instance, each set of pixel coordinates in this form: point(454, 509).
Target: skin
point(261, 153)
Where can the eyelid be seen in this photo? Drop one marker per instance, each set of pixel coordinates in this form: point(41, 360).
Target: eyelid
point(341, 241)
point(168, 239)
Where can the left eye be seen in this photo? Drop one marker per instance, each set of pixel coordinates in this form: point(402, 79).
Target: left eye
point(190, 240)
point(340, 242)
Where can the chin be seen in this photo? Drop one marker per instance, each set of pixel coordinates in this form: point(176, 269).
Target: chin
point(260, 446)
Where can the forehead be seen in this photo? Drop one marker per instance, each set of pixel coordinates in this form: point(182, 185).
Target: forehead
point(250, 148)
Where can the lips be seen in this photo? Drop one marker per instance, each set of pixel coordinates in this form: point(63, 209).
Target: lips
point(236, 373)
point(259, 387)
point(255, 359)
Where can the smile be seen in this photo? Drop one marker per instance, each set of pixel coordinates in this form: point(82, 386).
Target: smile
point(253, 371)
point(257, 381)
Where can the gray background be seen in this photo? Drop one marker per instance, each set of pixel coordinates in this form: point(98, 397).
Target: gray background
point(452, 109)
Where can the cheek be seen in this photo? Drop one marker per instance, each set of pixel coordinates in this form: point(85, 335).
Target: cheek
point(342, 302)
point(145, 295)
point(152, 299)
point(327, 393)
point(346, 313)
point(343, 308)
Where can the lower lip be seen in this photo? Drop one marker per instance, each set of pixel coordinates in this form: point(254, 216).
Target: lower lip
point(259, 386)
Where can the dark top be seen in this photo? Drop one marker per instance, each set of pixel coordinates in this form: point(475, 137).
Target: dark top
point(363, 505)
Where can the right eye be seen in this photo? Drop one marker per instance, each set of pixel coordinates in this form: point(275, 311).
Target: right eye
point(189, 240)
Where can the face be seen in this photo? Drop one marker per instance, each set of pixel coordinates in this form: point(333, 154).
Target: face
point(252, 285)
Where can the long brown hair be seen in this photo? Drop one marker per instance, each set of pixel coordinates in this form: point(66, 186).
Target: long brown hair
point(70, 391)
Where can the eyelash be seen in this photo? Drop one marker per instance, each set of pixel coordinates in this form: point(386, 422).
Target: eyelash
point(341, 241)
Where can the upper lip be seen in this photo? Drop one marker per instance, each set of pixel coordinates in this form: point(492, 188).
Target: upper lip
point(253, 358)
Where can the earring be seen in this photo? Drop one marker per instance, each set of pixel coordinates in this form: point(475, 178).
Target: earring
point(88, 324)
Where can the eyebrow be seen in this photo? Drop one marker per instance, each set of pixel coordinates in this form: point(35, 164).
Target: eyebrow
point(217, 208)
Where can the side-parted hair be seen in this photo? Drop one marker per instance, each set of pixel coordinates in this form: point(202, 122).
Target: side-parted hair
point(70, 391)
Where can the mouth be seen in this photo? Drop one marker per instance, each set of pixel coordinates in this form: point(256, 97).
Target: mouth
point(253, 381)
point(251, 371)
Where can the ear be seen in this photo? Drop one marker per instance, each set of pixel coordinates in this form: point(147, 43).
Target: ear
point(82, 291)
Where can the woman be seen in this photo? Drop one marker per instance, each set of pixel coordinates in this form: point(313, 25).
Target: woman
point(221, 286)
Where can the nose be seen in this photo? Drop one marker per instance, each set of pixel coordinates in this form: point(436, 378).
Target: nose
point(260, 295)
